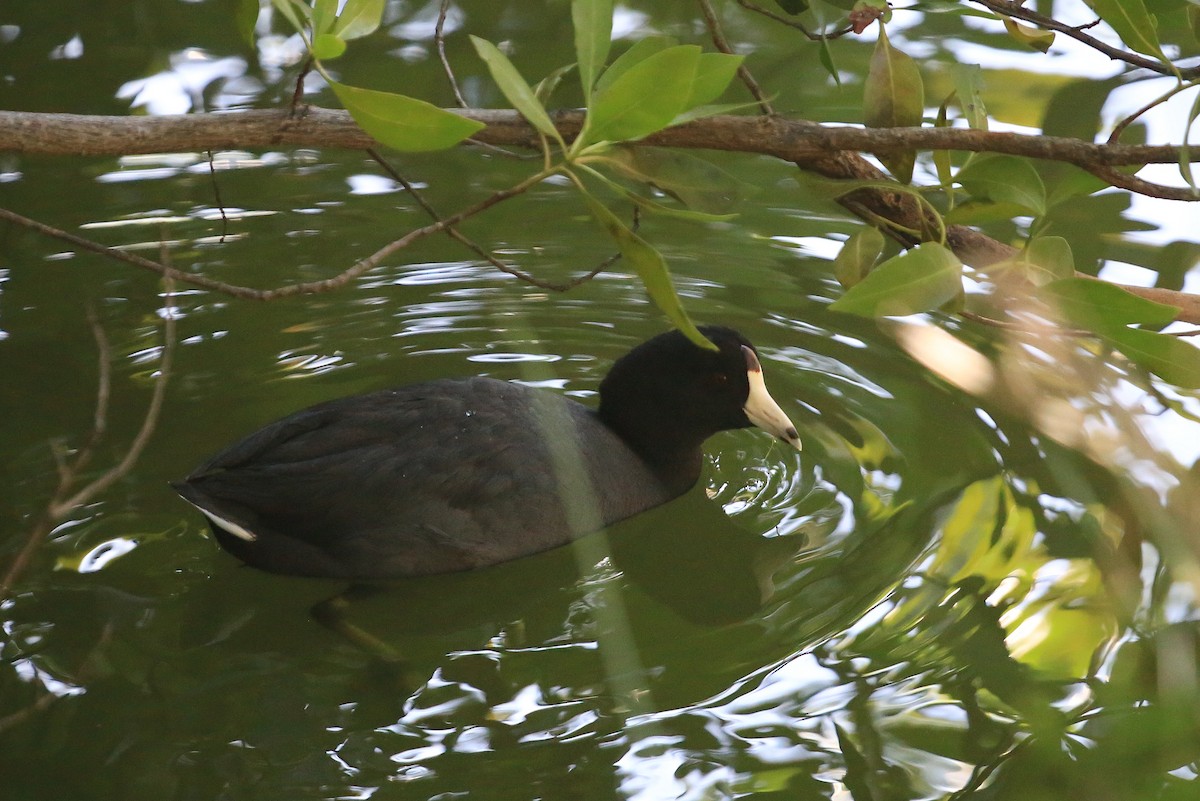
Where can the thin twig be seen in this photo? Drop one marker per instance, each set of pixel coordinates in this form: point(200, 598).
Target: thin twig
point(298, 92)
point(480, 251)
point(288, 290)
point(722, 44)
point(216, 188)
point(1011, 9)
point(439, 39)
point(816, 37)
point(1143, 187)
point(103, 391)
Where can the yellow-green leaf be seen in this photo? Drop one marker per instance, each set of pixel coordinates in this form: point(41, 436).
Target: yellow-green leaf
point(1049, 259)
point(714, 71)
point(324, 14)
point(514, 87)
point(1100, 306)
point(593, 37)
point(247, 19)
point(1004, 179)
point(327, 46)
point(1136, 26)
point(646, 98)
point(651, 268)
point(1029, 36)
point(919, 280)
point(893, 96)
point(1171, 358)
point(359, 18)
point(402, 122)
point(856, 258)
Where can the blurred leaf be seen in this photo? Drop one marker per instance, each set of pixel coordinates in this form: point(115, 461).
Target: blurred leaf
point(919, 280)
point(857, 776)
point(246, 20)
point(323, 15)
point(1168, 357)
point(825, 54)
point(402, 122)
point(857, 256)
point(714, 71)
point(359, 18)
point(1136, 26)
point(515, 88)
point(593, 37)
point(941, 158)
point(546, 86)
point(327, 46)
point(638, 52)
point(294, 12)
point(694, 182)
point(700, 112)
point(793, 6)
point(968, 82)
point(645, 98)
point(651, 268)
point(1029, 36)
point(893, 96)
point(977, 212)
point(1193, 17)
point(1100, 306)
point(1050, 259)
point(1072, 182)
point(1004, 179)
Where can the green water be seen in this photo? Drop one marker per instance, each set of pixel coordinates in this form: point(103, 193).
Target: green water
point(934, 598)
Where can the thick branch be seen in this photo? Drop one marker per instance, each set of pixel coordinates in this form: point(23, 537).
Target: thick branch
point(793, 140)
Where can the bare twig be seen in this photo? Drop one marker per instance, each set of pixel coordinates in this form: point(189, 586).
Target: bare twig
point(1141, 186)
point(216, 188)
point(439, 39)
point(816, 37)
point(1120, 127)
point(480, 251)
point(1018, 11)
point(722, 44)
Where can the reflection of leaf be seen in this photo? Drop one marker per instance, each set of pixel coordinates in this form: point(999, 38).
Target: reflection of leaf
point(651, 268)
point(693, 181)
point(893, 96)
point(404, 123)
point(919, 280)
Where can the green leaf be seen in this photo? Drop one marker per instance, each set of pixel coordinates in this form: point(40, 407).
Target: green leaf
point(714, 71)
point(1029, 36)
point(856, 258)
point(941, 158)
point(1004, 179)
point(593, 37)
point(968, 82)
point(825, 54)
point(1100, 306)
point(694, 182)
point(404, 123)
point(646, 98)
point(1168, 357)
point(651, 268)
point(1136, 26)
point(247, 19)
point(323, 16)
point(893, 96)
point(1049, 259)
point(793, 6)
point(359, 18)
point(546, 86)
point(700, 112)
point(515, 88)
point(297, 13)
point(919, 280)
point(640, 51)
point(327, 46)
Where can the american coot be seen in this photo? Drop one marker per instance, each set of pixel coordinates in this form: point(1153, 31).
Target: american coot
point(455, 474)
